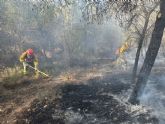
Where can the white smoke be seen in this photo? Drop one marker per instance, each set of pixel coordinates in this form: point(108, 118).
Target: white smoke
point(154, 97)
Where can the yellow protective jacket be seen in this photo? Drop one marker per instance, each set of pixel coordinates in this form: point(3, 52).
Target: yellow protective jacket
point(123, 48)
point(32, 59)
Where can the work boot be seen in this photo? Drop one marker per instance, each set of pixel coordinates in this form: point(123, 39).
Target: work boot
point(25, 72)
point(36, 76)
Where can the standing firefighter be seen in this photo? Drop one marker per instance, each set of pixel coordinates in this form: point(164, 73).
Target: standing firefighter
point(120, 59)
point(29, 59)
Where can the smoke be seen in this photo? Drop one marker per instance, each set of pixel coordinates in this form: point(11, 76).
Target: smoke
point(60, 32)
point(154, 96)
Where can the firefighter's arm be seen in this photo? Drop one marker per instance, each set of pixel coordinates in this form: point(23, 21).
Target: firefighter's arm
point(22, 57)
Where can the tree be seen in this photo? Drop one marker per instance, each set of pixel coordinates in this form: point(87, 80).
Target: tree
point(141, 40)
point(150, 55)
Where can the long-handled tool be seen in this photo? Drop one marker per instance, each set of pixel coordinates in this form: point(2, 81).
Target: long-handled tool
point(38, 70)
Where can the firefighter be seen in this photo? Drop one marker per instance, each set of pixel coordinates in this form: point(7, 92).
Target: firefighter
point(28, 58)
point(120, 57)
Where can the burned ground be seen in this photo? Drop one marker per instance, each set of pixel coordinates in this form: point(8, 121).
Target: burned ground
point(95, 101)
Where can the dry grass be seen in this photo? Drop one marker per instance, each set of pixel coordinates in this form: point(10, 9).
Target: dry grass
point(10, 77)
point(9, 72)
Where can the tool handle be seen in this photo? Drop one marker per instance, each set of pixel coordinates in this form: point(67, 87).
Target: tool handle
point(38, 70)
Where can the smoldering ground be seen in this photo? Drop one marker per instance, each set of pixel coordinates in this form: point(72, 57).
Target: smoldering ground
point(80, 43)
point(154, 97)
point(95, 101)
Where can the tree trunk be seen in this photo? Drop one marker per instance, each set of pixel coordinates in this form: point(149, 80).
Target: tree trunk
point(150, 55)
point(142, 36)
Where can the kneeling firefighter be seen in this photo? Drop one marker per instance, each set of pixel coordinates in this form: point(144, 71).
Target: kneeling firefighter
point(29, 59)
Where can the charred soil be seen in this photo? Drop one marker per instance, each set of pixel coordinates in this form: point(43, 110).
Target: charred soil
point(96, 100)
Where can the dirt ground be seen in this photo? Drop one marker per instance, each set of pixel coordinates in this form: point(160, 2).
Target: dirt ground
point(82, 96)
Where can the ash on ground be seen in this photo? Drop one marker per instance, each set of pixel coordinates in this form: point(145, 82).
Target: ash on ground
point(96, 101)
